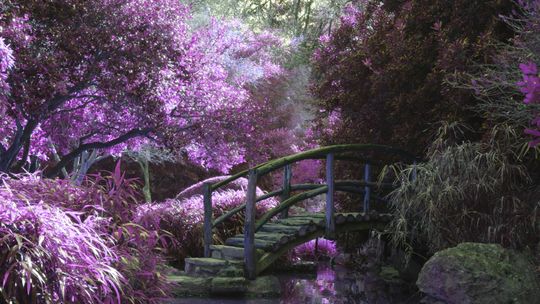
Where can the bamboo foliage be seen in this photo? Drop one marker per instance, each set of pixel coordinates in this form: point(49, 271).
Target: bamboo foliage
point(463, 192)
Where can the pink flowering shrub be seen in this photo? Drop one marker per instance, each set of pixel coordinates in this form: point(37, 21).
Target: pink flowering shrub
point(530, 86)
point(50, 255)
point(184, 217)
point(126, 256)
point(509, 89)
point(314, 250)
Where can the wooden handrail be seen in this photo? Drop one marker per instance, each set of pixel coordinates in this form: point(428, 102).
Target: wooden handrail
point(319, 153)
point(299, 187)
point(322, 152)
point(305, 195)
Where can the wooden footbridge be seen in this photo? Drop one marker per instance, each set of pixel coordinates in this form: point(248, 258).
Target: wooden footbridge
point(265, 239)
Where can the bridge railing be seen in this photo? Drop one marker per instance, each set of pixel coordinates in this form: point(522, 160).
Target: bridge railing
point(330, 154)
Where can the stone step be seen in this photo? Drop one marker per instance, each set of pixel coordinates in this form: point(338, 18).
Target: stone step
point(231, 253)
point(185, 286)
point(230, 285)
point(204, 266)
point(232, 271)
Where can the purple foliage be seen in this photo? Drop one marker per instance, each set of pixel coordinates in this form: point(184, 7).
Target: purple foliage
point(192, 89)
point(197, 189)
point(92, 225)
point(51, 255)
point(530, 86)
point(6, 63)
point(313, 250)
point(184, 217)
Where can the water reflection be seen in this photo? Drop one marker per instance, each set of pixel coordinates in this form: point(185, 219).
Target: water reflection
point(337, 285)
point(329, 286)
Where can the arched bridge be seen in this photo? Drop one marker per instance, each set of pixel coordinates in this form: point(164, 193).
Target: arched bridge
point(275, 232)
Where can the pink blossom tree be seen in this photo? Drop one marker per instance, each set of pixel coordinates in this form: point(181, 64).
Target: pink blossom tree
point(111, 75)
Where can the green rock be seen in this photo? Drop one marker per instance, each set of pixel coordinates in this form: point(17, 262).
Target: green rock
point(184, 286)
point(224, 285)
point(480, 274)
point(206, 262)
point(204, 266)
point(264, 287)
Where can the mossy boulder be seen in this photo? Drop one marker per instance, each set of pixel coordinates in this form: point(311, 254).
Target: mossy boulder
point(479, 273)
point(223, 285)
point(184, 286)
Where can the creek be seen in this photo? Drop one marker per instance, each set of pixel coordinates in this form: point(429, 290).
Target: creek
point(329, 285)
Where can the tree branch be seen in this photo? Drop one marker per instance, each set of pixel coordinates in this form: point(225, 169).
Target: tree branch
point(22, 161)
point(53, 172)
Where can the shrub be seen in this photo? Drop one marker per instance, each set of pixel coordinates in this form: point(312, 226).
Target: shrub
point(314, 250)
point(184, 216)
point(464, 192)
point(384, 68)
point(101, 213)
point(508, 88)
point(49, 255)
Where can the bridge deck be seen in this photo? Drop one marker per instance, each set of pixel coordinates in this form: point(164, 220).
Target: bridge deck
point(275, 238)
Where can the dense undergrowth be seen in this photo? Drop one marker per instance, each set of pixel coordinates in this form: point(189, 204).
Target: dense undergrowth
point(466, 192)
point(77, 244)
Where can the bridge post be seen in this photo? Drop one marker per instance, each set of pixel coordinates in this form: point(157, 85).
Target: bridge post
point(207, 188)
point(249, 227)
point(330, 220)
point(287, 175)
point(367, 188)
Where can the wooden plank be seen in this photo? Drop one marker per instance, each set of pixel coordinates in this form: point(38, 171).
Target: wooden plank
point(351, 217)
point(298, 221)
point(257, 243)
point(367, 188)
point(289, 202)
point(330, 220)
point(362, 217)
point(278, 228)
point(273, 237)
point(308, 215)
point(340, 218)
point(207, 219)
point(249, 227)
point(287, 176)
